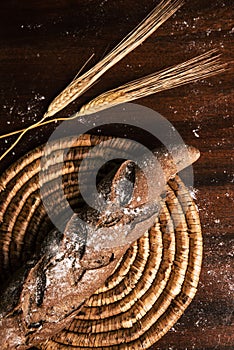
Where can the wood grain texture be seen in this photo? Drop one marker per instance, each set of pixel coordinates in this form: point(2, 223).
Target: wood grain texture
point(43, 45)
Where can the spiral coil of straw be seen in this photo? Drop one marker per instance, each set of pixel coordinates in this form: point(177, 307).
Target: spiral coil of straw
point(153, 283)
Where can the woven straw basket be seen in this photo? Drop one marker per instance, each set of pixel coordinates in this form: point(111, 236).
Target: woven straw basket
point(153, 283)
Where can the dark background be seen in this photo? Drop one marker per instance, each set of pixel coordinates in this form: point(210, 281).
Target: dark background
point(43, 44)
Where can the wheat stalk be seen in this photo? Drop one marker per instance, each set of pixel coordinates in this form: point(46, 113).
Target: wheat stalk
point(79, 85)
point(202, 66)
point(154, 20)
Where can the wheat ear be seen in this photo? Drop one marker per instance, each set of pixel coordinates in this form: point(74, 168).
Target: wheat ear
point(202, 66)
point(79, 85)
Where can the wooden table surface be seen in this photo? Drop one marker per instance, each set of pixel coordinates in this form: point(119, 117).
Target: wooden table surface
point(43, 44)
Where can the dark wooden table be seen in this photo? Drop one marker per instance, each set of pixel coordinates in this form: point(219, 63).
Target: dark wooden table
point(43, 45)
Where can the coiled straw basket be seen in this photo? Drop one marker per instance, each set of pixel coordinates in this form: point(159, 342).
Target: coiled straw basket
point(153, 283)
